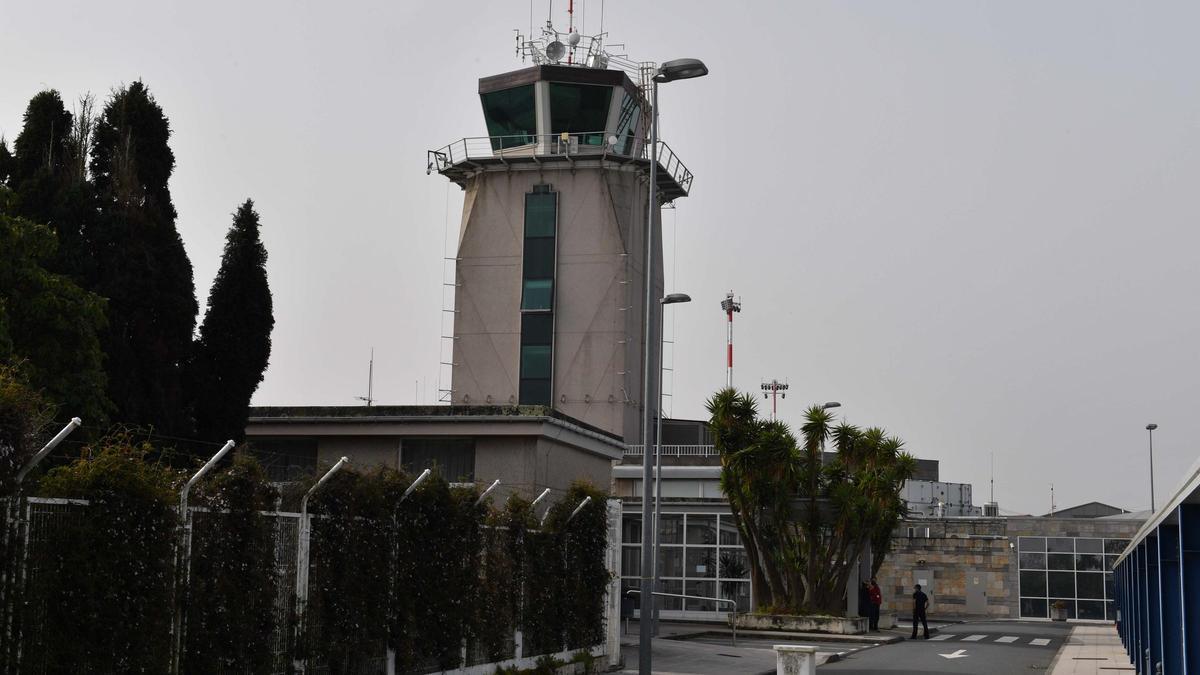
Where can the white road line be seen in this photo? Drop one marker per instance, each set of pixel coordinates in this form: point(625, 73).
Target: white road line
point(943, 636)
point(1007, 638)
point(974, 638)
point(1040, 642)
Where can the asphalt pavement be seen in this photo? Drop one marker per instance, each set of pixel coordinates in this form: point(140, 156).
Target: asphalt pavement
point(1000, 648)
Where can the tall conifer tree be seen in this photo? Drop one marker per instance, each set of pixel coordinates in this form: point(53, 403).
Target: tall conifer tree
point(235, 339)
point(141, 265)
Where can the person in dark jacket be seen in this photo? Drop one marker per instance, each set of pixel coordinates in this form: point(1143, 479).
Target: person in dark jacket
point(920, 604)
point(876, 597)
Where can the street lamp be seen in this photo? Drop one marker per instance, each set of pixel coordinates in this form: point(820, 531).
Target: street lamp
point(671, 299)
point(1150, 428)
point(679, 69)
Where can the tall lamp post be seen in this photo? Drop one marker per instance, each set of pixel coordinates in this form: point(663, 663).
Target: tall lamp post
point(1150, 428)
point(671, 299)
point(679, 69)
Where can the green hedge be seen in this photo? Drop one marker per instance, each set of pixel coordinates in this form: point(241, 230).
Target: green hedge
point(422, 576)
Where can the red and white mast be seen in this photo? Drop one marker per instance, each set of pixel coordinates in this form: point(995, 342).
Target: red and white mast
point(730, 306)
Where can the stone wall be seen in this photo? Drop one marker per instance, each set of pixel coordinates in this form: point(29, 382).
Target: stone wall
point(970, 564)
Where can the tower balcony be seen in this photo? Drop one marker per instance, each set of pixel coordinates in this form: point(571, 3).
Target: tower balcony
point(461, 160)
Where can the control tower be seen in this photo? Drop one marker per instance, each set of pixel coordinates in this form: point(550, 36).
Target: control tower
point(550, 262)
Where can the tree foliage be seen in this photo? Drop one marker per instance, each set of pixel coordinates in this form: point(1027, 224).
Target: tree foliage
point(234, 344)
point(48, 322)
point(805, 521)
point(141, 265)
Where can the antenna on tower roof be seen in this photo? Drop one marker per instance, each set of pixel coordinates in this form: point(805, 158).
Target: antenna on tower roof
point(369, 398)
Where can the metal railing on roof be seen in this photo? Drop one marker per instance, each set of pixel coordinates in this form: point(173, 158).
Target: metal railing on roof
point(570, 146)
point(676, 450)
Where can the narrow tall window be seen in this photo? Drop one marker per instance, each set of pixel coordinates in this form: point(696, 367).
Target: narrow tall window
point(537, 297)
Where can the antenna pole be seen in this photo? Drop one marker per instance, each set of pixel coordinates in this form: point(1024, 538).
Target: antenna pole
point(992, 478)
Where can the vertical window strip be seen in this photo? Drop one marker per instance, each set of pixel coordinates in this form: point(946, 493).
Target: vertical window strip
point(537, 297)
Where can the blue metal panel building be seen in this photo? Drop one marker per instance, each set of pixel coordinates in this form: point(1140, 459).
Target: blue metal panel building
point(1157, 581)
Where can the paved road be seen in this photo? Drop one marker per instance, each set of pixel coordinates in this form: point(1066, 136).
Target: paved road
point(1000, 648)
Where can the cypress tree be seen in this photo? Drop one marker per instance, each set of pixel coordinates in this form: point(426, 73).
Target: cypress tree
point(49, 177)
point(6, 162)
point(234, 345)
point(140, 263)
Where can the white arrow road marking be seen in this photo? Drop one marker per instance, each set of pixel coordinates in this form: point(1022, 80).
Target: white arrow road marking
point(1008, 638)
point(943, 636)
point(1040, 642)
point(973, 638)
point(960, 654)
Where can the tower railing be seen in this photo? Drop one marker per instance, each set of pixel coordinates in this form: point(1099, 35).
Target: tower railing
point(676, 450)
point(473, 151)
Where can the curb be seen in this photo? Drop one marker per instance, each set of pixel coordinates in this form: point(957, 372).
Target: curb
point(809, 637)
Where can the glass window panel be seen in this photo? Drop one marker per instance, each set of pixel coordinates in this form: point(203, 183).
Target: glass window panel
point(1110, 610)
point(1109, 561)
point(1061, 584)
point(1032, 544)
point(734, 564)
point(739, 592)
point(576, 108)
point(671, 604)
point(707, 589)
point(701, 561)
point(627, 121)
point(631, 561)
point(1089, 585)
point(670, 530)
point(670, 561)
point(510, 113)
point(1089, 545)
point(701, 529)
point(1089, 562)
point(1033, 561)
point(1115, 546)
point(537, 329)
point(729, 532)
point(1091, 609)
point(537, 294)
point(535, 362)
point(631, 529)
point(540, 214)
point(1033, 583)
point(1060, 561)
point(1060, 545)
point(453, 458)
point(539, 258)
point(534, 392)
point(1069, 602)
point(1033, 608)
point(1110, 590)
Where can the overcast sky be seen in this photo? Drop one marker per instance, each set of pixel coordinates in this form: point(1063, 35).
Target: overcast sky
point(974, 224)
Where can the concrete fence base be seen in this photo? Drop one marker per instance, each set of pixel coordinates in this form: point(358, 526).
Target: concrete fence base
point(795, 660)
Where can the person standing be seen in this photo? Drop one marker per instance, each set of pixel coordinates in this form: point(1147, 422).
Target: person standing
point(876, 597)
point(920, 604)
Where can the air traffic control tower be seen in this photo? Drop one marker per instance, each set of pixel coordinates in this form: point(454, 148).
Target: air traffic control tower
point(549, 270)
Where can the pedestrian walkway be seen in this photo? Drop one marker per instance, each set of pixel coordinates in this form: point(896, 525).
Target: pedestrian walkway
point(980, 637)
point(1092, 650)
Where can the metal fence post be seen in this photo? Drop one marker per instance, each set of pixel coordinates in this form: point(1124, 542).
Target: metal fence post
point(302, 559)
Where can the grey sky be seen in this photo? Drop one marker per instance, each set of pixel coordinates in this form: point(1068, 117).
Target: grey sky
point(972, 223)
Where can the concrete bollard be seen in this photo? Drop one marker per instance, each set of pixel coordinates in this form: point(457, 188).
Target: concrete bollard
point(795, 660)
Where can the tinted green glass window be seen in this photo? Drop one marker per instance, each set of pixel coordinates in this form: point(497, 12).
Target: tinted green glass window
point(539, 258)
point(578, 108)
point(538, 294)
point(510, 114)
point(537, 329)
point(535, 361)
point(540, 214)
point(535, 392)
point(627, 124)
